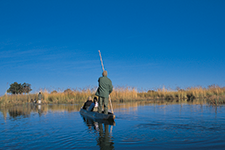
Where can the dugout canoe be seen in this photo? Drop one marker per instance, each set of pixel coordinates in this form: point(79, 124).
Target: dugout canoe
point(92, 121)
point(96, 115)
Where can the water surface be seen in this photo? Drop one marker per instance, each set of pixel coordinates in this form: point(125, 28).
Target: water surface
point(137, 125)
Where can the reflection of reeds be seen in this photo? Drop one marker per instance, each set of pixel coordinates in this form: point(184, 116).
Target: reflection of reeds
point(26, 110)
point(216, 100)
point(119, 94)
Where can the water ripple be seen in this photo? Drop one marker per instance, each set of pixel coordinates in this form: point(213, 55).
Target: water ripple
point(145, 127)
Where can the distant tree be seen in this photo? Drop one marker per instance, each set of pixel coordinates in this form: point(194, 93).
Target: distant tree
point(68, 91)
point(179, 89)
point(151, 91)
point(15, 88)
point(18, 88)
point(26, 87)
point(53, 92)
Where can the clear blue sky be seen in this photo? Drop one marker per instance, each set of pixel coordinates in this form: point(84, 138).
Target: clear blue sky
point(144, 43)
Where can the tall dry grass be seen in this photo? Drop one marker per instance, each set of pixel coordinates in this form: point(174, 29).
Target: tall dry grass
point(68, 96)
point(184, 94)
point(124, 94)
point(119, 94)
point(8, 100)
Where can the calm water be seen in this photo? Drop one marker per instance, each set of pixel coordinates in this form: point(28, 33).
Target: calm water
point(137, 125)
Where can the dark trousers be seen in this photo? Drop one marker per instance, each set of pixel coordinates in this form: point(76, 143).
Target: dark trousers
point(103, 101)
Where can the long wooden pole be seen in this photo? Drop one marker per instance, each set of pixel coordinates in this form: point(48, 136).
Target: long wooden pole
point(104, 70)
point(101, 60)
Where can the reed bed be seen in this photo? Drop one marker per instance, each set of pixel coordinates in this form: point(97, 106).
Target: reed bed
point(8, 100)
point(124, 94)
point(188, 94)
point(68, 96)
point(214, 94)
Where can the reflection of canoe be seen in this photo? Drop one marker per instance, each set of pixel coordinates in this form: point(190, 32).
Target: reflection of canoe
point(33, 103)
point(97, 116)
point(104, 138)
point(39, 102)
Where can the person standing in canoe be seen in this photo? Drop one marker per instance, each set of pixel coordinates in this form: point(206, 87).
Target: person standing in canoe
point(104, 89)
point(39, 98)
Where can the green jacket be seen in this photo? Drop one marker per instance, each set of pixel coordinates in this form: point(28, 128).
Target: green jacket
point(105, 87)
